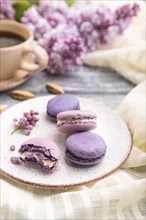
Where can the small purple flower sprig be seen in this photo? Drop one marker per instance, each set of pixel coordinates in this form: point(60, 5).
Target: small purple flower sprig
point(26, 123)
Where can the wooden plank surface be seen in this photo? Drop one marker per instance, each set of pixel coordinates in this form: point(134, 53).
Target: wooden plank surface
point(103, 85)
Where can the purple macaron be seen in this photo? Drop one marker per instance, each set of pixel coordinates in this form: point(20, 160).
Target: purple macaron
point(41, 151)
point(76, 120)
point(60, 103)
point(85, 148)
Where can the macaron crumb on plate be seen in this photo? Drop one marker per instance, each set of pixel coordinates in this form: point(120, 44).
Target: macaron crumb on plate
point(110, 127)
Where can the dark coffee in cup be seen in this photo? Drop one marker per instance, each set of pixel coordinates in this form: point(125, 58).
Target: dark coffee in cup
point(8, 39)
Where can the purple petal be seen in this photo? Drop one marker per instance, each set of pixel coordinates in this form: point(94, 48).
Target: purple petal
point(15, 160)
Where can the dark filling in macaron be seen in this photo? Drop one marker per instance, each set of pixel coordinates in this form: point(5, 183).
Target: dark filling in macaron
point(82, 160)
point(39, 155)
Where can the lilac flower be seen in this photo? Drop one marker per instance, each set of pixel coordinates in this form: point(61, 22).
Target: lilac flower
point(87, 30)
point(27, 122)
point(103, 25)
point(68, 33)
point(49, 7)
point(65, 49)
point(36, 23)
point(55, 19)
point(117, 23)
point(31, 16)
point(6, 10)
point(124, 15)
point(55, 12)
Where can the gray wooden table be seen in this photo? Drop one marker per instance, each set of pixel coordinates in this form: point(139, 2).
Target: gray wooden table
point(104, 85)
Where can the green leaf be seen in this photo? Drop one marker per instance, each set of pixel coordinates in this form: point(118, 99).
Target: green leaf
point(33, 2)
point(20, 6)
point(70, 2)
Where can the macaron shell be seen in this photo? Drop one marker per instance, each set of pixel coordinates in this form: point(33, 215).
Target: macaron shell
point(76, 120)
point(81, 161)
point(76, 114)
point(47, 143)
point(51, 117)
point(62, 103)
point(85, 147)
point(78, 127)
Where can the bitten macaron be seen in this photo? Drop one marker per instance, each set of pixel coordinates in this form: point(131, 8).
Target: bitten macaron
point(60, 103)
point(41, 151)
point(76, 120)
point(85, 148)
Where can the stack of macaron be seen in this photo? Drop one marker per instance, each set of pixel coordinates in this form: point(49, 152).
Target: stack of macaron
point(82, 146)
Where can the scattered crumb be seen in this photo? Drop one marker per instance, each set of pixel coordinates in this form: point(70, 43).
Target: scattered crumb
point(15, 160)
point(12, 147)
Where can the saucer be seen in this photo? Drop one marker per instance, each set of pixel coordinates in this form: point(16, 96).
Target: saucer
point(19, 77)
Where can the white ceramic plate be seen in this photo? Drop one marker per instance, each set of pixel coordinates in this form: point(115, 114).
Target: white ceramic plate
point(109, 125)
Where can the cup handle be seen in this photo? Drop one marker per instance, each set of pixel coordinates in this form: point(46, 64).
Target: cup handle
point(41, 55)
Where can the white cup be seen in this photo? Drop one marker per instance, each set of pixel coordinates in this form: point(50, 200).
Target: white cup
point(12, 57)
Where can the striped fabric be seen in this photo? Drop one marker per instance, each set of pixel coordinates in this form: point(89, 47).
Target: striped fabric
point(121, 196)
point(117, 197)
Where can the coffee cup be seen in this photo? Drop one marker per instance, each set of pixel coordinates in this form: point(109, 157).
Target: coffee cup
point(16, 43)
